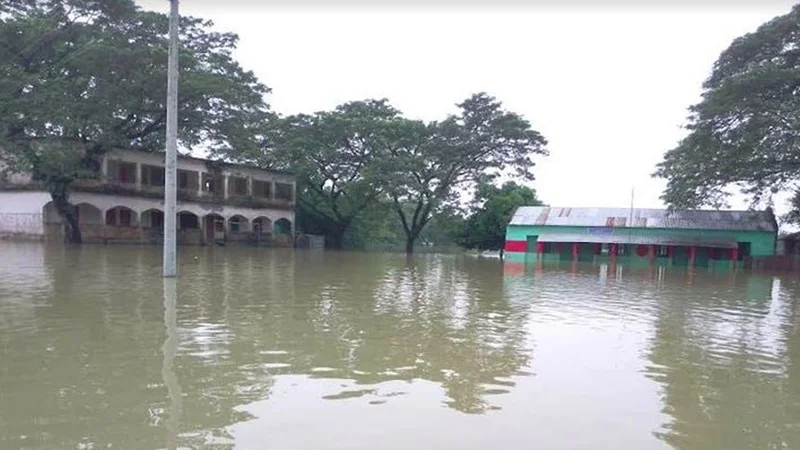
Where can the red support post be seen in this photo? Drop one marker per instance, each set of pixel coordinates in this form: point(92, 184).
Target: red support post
point(575, 250)
point(612, 250)
point(652, 253)
point(692, 255)
point(540, 247)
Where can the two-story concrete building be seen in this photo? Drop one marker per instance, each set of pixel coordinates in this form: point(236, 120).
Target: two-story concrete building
point(217, 202)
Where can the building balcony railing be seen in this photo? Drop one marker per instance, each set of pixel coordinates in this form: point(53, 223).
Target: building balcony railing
point(110, 187)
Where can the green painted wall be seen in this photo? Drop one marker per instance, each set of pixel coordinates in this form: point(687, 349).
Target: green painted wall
point(762, 243)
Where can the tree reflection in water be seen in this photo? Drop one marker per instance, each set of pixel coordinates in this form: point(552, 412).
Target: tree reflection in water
point(726, 359)
point(97, 351)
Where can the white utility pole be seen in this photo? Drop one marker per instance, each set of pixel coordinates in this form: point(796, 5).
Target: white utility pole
point(171, 169)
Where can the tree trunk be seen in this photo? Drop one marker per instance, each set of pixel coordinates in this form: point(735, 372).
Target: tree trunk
point(409, 245)
point(72, 231)
point(337, 239)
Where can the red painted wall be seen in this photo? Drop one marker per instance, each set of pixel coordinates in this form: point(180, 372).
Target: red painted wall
point(516, 246)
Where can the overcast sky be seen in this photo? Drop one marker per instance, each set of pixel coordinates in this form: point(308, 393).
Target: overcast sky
point(607, 86)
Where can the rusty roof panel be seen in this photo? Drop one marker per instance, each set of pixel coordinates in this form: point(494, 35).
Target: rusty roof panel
point(645, 218)
point(625, 238)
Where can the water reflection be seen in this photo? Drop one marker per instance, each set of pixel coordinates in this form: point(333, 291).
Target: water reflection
point(726, 360)
point(382, 351)
point(169, 350)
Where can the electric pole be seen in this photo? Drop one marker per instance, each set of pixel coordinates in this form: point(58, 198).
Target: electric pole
point(171, 160)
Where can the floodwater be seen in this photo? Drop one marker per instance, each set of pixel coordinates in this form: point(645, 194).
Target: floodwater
point(268, 349)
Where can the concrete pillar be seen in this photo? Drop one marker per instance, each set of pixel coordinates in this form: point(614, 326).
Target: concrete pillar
point(249, 186)
point(225, 186)
point(272, 190)
point(201, 225)
point(138, 176)
point(199, 184)
point(104, 168)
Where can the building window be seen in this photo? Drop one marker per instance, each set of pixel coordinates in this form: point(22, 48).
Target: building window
point(119, 217)
point(262, 189)
point(126, 173)
point(152, 175)
point(283, 191)
point(111, 217)
point(238, 185)
point(156, 219)
point(236, 224)
point(124, 217)
point(213, 184)
point(188, 221)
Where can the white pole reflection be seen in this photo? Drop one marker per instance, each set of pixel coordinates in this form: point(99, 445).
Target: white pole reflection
point(169, 349)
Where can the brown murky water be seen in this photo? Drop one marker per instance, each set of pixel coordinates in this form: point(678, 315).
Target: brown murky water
point(263, 349)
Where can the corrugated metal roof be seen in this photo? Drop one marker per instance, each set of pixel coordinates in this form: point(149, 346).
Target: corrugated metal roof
point(645, 218)
point(625, 238)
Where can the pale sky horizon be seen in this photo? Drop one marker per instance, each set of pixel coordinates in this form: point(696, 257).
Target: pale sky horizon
point(608, 86)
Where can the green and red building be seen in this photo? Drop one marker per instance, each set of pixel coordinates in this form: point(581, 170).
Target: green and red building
point(688, 237)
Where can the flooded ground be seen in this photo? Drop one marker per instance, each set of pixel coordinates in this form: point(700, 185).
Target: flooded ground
point(259, 348)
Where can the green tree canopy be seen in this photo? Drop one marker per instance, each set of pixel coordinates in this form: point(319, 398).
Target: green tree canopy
point(338, 157)
point(433, 163)
point(745, 130)
point(485, 228)
point(80, 77)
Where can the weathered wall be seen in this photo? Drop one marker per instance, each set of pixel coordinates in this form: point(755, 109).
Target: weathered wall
point(28, 226)
point(30, 202)
point(21, 214)
point(761, 243)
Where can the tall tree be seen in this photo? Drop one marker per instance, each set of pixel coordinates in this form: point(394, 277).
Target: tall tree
point(745, 130)
point(81, 77)
point(485, 228)
point(432, 164)
point(337, 157)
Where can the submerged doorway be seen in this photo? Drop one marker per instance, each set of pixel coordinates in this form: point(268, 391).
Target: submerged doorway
point(530, 247)
point(215, 228)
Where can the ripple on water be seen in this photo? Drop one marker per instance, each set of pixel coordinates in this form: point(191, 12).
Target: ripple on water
point(273, 343)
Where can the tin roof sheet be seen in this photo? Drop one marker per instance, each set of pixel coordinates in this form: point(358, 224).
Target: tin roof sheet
point(645, 218)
